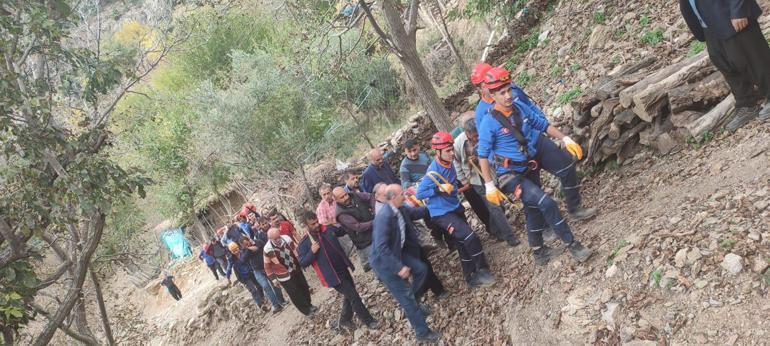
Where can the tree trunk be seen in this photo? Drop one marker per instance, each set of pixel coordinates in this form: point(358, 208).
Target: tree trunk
point(79, 314)
point(76, 286)
point(405, 44)
point(102, 308)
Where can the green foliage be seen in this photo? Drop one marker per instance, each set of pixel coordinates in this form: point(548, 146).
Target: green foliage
point(652, 37)
point(527, 43)
point(18, 284)
point(644, 20)
point(575, 67)
point(621, 244)
point(600, 17)
point(524, 79)
point(656, 276)
point(695, 48)
point(727, 244)
point(557, 71)
point(569, 95)
point(481, 9)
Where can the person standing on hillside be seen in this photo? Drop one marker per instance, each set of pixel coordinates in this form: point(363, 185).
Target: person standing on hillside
point(355, 212)
point(210, 261)
point(512, 136)
point(282, 266)
point(284, 226)
point(395, 259)
point(321, 250)
point(737, 48)
point(466, 164)
point(378, 171)
point(240, 261)
point(327, 215)
point(167, 280)
point(218, 252)
point(439, 187)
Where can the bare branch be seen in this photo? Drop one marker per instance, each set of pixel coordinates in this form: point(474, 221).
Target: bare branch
point(383, 36)
point(55, 276)
point(71, 333)
point(411, 22)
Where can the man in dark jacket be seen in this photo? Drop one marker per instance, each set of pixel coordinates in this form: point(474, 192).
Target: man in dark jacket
point(737, 48)
point(355, 213)
point(254, 249)
point(240, 262)
point(378, 171)
point(168, 281)
point(321, 249)
point(395, 258)
point(218, 252)
point(210, 262)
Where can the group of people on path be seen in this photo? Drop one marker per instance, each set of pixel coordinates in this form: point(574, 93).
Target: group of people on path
point(496, 158)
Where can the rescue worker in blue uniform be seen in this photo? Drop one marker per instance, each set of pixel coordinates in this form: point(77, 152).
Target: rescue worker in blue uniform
point(440, 186)
point(512, 136)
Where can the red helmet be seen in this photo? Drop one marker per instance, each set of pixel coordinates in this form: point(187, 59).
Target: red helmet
point(479, 72)
point(441, 140)
point(497, 77)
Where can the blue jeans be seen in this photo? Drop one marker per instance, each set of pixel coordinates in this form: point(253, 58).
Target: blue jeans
point(273, 293)
point(404, 292)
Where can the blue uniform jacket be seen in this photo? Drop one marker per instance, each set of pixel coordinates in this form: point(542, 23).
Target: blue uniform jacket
point(439, 203)
point(519, 97)
point(328, 255)
point(386, 243)
point(494, 139)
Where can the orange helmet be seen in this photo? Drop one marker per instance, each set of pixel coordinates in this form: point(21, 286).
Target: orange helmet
point(233, 247)
point(479, 72)
point(441, 140)
point(497, 77)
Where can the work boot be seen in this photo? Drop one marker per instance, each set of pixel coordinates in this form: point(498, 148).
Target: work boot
point(512, 241)
point(343, 325)
point(741, 116)
point(430, 336)
point(764, 113)
point(543, 255)
point(578, 251)
point(373, 325)
point(485, 277)
point(582, 213)
point(548, 235)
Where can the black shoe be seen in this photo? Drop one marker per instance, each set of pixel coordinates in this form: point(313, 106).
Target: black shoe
point(741, 116)
point(485, 277)
point(443, 295)
point(430, 336)
point(349, 325)
point(579, 252)
point(548, 235)
point(543, 255)
point(512, 241)
point(582, 213)
point(285, 303)
point(373, 325)
point(276, 309)
point(367, 268)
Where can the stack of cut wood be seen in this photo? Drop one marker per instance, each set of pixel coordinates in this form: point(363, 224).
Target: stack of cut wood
point(652, 105)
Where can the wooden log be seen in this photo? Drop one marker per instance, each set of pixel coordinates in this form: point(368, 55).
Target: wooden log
point(648, 102)
point(608, 107)
point(629, 150)
point(682, 119)
point(596, 110)
point(714, 118)
point(624, 117)
point(616, 145)
point(613, 84)
point(626, 96)
point(614, 131)
point(700, 95)
point(583, 103)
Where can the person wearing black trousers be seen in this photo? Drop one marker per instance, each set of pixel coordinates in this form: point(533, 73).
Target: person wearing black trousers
point(168, 281)
point(737, 48)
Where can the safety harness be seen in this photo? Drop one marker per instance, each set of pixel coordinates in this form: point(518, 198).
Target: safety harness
point(530, 164)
